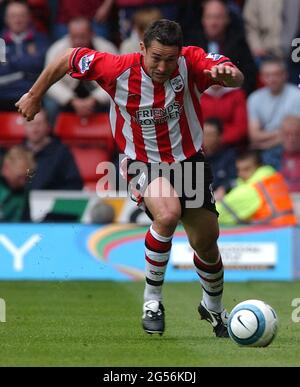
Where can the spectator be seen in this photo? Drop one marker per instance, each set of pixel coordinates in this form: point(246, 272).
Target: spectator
point(25, 53)
point(126, 9)
point(96, 11)
point(17, 165)
point(219, 35)
point(141, 19)
point(191, 9)
point(261, 196)
point(39, 10)
point(230, 106)
point(56, 168)
point(263, 25)
point(222, 160)
point(69, 94)
point(268, 106)
point(290, 162)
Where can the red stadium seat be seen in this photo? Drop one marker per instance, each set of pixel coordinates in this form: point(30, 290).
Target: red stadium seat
point(87, 158)
point(11, 128)
point(75, 130)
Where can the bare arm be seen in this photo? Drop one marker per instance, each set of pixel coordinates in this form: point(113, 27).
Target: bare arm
point(103, 11)
point(30, 103)
point(261, 139)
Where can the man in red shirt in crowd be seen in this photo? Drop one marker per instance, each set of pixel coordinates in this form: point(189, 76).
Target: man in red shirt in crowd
point(156, 119)
point(230, 106)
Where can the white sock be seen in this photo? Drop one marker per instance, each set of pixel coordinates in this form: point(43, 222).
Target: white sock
point(211, 279)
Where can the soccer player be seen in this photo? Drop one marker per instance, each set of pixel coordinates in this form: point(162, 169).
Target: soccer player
point(156, 118)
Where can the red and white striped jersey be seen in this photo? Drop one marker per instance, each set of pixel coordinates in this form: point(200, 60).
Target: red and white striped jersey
point(150, 121)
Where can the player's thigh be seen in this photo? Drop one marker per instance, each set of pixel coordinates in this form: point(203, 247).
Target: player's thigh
point(162, 201)
point(202, 228)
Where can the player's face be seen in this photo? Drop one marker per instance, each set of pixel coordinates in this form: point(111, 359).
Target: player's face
point(160, 61)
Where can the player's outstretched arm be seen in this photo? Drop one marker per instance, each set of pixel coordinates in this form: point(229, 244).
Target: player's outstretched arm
point(30, 103)
point(230, 76)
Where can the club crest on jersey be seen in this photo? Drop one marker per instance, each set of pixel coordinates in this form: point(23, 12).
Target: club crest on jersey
point(177, 83)
point(214, 57)
point(84, 63)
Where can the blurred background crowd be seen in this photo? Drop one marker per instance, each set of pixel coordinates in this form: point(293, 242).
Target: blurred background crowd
point(60, 149)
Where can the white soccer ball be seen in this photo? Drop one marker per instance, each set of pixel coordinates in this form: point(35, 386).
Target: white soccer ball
point(252, 323)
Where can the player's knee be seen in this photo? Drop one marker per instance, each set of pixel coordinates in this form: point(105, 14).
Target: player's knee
point(168, 218)
point(204, 246)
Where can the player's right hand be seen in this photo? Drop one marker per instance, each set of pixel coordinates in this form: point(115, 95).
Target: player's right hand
point(28, 106)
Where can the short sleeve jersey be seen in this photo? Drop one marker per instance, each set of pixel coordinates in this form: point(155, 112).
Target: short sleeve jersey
point(151, 122)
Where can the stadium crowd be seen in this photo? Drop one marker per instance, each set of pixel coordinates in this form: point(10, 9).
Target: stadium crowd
point(263, 115)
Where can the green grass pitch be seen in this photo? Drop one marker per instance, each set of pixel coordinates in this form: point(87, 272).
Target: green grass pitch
point(98, 324)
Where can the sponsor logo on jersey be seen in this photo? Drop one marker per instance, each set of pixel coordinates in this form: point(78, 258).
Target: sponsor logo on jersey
point(177, 83)
point(156, 116)
point(85, 62)
point(214, 57)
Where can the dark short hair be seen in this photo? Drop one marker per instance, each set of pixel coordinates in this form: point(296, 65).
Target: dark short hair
point(166, 32)
point(216, 122)
point(253, 154)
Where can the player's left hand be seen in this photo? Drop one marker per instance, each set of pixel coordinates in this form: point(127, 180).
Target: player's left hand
point(223, 73)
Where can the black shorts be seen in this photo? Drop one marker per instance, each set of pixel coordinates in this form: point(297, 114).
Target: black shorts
point(197, 176)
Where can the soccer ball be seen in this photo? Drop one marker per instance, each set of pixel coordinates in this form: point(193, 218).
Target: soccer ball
point(252, 323)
